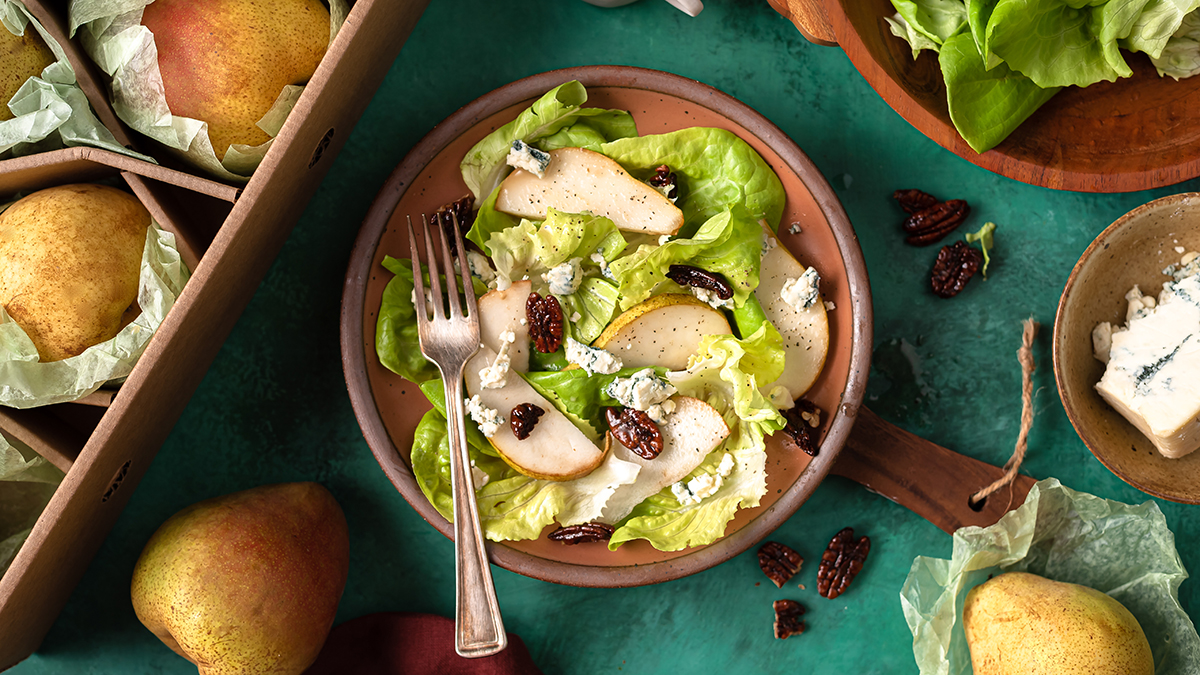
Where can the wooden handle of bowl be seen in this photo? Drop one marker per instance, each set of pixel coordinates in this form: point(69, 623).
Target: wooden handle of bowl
point(810, 19)
point(931, 481)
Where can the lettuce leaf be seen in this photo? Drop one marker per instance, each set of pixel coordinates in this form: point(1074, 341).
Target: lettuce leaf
point(936, 20)
point(724, 373)
point(556, 117)
point(716, 172)
point(1180, 57)
point(729, 243)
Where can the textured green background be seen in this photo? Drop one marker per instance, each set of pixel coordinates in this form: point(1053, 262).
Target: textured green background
point(274, 408)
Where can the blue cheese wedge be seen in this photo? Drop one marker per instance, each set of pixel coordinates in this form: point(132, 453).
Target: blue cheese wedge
point(1153, 372)
point(564, 279)
point(592, 359)
point(525, 156)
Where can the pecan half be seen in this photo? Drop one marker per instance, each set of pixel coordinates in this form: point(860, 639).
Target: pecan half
point(929, 225)
point(954, 267)
point(778, 562)
point(686, 275)
point(841, 562)
point(583, 534)
point(635, 430)
point(523, 419)
point(804, 426)
point(913, 201)
point(665, 182)
point(787, 618)
point(445, 215)
point(545, 319)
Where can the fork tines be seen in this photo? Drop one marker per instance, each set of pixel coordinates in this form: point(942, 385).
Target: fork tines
point(435, 284)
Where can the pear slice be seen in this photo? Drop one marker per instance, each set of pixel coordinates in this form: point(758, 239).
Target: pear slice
point(555, 450)
point(691, 432)
point(805, 332)
point(501, 311)
point(579, 180)
point(662, 331)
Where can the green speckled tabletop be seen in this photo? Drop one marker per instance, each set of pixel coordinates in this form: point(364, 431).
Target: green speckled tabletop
point(274, 405)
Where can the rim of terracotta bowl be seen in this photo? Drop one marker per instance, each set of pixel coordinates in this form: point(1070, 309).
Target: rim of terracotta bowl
point(1060, 378)
point(860, 333)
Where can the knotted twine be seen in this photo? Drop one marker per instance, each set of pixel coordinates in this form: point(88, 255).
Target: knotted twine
point(1025, 357)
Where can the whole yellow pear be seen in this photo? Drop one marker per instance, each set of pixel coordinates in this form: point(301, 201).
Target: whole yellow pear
point(225, 62)
point(1023, 624)
point(21, 57)
point(247, 583)
point(70, 257)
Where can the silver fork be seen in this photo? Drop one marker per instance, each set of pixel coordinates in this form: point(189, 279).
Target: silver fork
point(449, 342)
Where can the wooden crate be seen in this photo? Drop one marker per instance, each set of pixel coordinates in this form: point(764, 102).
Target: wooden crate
point(229, 234)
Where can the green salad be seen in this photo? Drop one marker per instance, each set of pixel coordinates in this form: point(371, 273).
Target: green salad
point(643, 331)
point(1003, 59)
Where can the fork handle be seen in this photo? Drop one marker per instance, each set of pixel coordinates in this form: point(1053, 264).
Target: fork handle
point(479, 630)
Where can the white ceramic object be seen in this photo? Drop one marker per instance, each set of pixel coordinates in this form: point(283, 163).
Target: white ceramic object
point(689, 7)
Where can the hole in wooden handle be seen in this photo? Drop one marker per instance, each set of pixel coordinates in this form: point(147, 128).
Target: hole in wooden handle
point(320, 151)
point(976, 506)
point(117, 479)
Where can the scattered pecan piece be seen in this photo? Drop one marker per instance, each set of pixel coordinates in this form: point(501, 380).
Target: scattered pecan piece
point(686, 275)
point(913, 201)
point(445, 215)
point(523, 419)
point(841, 562)
point(929, 225)
point(803, 426)
point(545, 319)
point(778, 562)
point(787, 618)
point(665, 181)
point(635, 430)
point(954, 267)
point(583, 534)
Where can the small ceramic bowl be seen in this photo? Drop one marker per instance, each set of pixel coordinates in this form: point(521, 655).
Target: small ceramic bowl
point(1133, 250)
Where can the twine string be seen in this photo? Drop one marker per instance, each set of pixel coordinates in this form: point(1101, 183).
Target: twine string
point(1025, 357)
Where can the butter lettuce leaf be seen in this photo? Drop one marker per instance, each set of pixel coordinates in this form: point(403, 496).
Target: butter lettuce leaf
point(558, 116)
point(936, 20)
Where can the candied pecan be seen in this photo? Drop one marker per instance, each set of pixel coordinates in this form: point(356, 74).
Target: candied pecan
point(461, 209)
point(635, 430)
point(787, 618)
point(686, 275)
point(665, 181)
point(545, 319)
point(913, 201)
point(523, 418)
point(582, 534)
point(929, 225)
point(954, 267)
point(841, 562)
point(779, 562)
point(803, 426)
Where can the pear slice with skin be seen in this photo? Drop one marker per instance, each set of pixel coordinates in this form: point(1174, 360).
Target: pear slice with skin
point(690, 434)
point(555, 450)
point(579, 180)
point(805, 332)
point(662, 331)
point(501, 311)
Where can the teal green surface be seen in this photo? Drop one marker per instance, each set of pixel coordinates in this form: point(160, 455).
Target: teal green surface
point(274, 407)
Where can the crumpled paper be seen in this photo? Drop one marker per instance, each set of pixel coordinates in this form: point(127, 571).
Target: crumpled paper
point(25, 382)
point(27, 482)
point(51, 110)
point(113, 35)
point(1125, 551)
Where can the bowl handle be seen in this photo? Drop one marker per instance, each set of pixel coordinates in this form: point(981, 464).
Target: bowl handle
point(931, 481)
point(810, 18)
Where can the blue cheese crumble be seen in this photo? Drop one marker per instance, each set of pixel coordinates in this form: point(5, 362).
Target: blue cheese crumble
point(704, 485)
point(592, 359)
point(481, 267)
point(598, 258)
point(564, 279)
point(659, 411)
point(640, 390)
point(713, 300)
point(488, 419)
point(525, 156)
point(768, 243)
point(479, 478)
point(802, 293)
point(495, 376)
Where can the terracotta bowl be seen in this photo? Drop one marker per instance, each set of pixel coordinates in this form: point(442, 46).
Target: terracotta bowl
point(388, 407)
point(1135, 134)
point(1133, 250)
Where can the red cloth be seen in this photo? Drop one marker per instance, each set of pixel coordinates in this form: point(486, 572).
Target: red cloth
point(403, 643)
